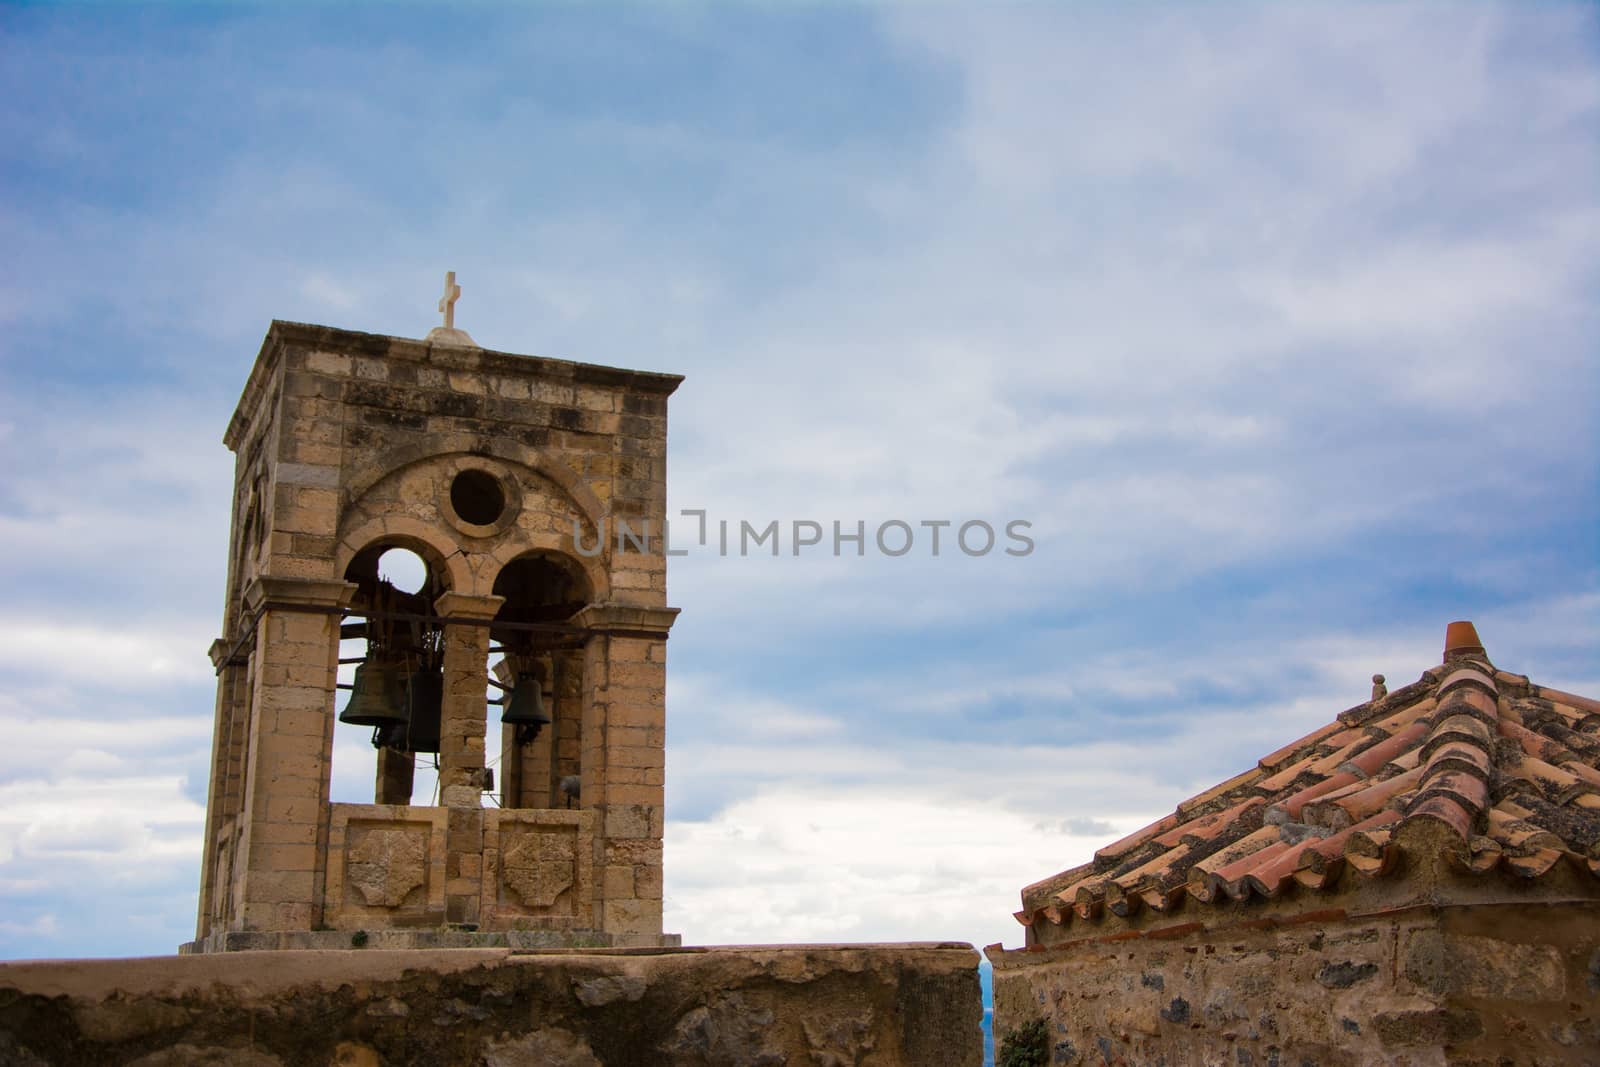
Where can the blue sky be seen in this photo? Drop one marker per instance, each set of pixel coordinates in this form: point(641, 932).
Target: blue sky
point(1277, 322)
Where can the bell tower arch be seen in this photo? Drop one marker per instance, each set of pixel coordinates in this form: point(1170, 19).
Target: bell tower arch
point(491, 467)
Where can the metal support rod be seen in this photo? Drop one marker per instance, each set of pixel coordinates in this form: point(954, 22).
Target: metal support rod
point(572, 636)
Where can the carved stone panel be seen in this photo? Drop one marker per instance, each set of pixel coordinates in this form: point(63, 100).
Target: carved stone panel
point(222, 876)
point(537, 865)
point(385, 865)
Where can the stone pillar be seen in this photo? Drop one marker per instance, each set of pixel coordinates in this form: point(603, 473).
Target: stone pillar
point(227, 766)
point(566, 709)
point(223, 799)
point(461, 733)
point(624, 760)
point(282, 848)
point(396, 776)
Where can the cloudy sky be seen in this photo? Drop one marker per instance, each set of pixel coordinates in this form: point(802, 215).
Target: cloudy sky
point(1277, 323)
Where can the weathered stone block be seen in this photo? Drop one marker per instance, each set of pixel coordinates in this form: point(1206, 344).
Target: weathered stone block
point(1446, 964)
point(647, 881)
point(1433, 1026)
point(627, 795)
point(1343, 974)
point(618, 882)
point(333, 363)
point(628, 821)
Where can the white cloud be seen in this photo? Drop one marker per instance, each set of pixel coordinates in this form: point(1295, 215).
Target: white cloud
point(869, 863)
point(118, 831)
point(126, 657)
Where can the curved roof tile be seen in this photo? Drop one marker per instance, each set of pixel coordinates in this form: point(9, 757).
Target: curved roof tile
point(1511, 770)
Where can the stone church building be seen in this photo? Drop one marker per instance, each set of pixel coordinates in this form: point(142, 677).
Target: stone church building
point(1417, 882)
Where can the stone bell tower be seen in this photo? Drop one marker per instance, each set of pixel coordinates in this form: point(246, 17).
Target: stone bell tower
point(509, 476)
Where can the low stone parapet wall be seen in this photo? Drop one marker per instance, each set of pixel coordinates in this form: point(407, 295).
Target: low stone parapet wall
point(1493, 984)
point(828, 1005)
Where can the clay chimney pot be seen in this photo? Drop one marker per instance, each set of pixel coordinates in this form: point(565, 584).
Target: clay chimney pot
point(1461, 639)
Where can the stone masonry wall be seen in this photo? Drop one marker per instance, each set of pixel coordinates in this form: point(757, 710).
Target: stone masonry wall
point(354, 408)
point(1484, 985)
point(820, 1006)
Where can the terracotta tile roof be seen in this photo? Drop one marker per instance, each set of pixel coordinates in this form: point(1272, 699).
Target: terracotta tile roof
point(1510, 769)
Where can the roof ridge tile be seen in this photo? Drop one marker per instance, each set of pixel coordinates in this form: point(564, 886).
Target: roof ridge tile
point(1459, 728)
point(1453, 755)
point(1443, 808)
point(1466, 675)
point(1456, 757)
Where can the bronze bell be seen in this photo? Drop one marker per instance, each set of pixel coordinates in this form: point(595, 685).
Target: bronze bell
point(376, 697)
point(524, 708)
point(424, 703)
point(419, 730)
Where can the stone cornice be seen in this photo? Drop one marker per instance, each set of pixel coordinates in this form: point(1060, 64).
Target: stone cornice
point(355, 342)
point(626, 619)
point(467, 607)
point(254, 386)
point(319, 594)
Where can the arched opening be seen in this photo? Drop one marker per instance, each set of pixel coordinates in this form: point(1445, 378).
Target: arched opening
point(403, 569)
point(386, 741)
point(536, 680)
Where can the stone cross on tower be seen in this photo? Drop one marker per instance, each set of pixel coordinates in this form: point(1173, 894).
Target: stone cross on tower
point(447, 302)
point(448, 334)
